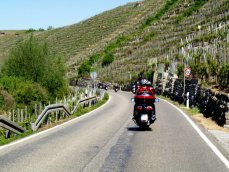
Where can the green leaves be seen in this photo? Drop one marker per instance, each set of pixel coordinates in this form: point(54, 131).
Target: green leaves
point(32, 61)
point(159, 14)
point(224, 76)
point(108, 58)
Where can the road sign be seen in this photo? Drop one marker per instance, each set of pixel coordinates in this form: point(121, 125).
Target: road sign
point(188, 71)
point(93, 75)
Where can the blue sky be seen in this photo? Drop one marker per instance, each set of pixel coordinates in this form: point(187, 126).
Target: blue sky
point(25, 14)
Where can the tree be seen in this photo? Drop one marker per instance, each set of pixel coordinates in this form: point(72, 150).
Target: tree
point(27, 60)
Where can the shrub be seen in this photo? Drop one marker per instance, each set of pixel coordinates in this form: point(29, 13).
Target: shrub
point(84, 69)
point(108, 58)
point(6, 100)
point(32, 61)
point(224, 76)
point(24, 92)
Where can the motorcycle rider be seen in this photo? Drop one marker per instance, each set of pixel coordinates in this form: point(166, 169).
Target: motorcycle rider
point(145, 88)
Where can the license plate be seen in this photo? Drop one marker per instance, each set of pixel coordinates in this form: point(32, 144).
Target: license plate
point(144, 117)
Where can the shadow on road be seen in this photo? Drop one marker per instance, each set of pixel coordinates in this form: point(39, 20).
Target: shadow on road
point(138, 129)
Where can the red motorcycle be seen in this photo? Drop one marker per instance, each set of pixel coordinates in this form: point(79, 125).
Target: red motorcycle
point(144, 108)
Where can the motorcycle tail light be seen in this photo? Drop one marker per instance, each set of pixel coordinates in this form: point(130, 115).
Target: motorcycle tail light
point(139, 107)
point(149, 108)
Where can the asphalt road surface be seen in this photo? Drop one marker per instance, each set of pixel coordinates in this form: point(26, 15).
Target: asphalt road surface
point(108, 140)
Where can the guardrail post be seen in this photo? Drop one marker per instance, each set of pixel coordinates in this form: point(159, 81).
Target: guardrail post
point(13, 116)
point(18, 115)
point(8, 134)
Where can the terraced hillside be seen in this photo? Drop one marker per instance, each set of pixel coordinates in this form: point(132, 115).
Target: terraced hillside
point(170, 32)
point(77, 41)
point(176, 37)
point(7, 40)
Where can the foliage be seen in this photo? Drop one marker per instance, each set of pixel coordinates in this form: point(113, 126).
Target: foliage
point(195, 7)
point(84, 69)
point(180, 70)
point(32, 61)
point(54, 78)
point(159, 14)
point(24, 92)
point(30, 30)
point(94, 58)
point(28, 60)
point(224, 76)
point(119, 41)
point(148, 37)
point(6, 100)
point(41, 29)
point(107, 59)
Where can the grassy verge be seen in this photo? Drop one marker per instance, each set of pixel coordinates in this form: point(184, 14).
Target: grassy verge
point(191, 111)
point(4, 141)
point(81, 111)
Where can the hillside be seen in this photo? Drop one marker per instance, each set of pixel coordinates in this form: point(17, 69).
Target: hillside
point(75, 42)
point(172, 33)
point(174, 41)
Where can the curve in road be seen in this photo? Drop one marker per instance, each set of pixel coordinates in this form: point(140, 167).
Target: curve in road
point(108, 140)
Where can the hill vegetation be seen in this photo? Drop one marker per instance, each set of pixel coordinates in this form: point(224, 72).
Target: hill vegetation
point(143, 36)
point(31, 75)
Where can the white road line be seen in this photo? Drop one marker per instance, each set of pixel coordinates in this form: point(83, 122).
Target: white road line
point(53, 128)
point(209, 143)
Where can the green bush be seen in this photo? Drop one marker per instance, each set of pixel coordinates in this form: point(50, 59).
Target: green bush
point(32, 61)
point(108, 58)
point(84, 69)
point(30, 30)
point(180, 70)
point(224, 76)
point(159, 14)
point(7, 101)
point(24, 92)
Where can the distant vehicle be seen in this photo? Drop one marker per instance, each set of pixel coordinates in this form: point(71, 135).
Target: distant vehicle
point(103, 86)
point(116, 88)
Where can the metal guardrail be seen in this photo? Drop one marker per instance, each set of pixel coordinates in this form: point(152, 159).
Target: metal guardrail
point(10, 126)
point(58, 107)
point(83, 101)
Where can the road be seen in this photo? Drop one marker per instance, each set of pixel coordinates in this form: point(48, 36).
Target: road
point(108, 140)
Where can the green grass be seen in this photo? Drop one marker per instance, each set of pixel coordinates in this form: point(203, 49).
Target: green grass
point(81, 111)
point(4, 141)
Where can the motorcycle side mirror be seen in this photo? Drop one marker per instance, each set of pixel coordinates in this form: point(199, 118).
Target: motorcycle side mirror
point(156, 100)
point(132, 99)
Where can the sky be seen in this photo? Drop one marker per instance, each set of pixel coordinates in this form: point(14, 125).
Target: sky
point(26, 14)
